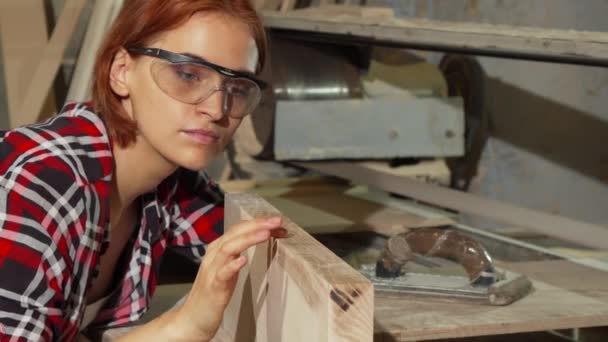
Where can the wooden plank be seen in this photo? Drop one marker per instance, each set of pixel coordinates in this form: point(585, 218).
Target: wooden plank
point(585, 234)
point(560, 301)
point(294, 289)
point(287, 186)
point(591, 258)
point(24, 35)
point(101, 17)
point(499, 40)
point(326, 205)
point(547, 308)
point(340, 213)
point(567, 275)
point(288, 5)
point(268, 5)
point(50, 61)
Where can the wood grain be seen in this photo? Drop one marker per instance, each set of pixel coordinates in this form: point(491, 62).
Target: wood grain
point(378, 24)
point(294, 289)
point(547, 308)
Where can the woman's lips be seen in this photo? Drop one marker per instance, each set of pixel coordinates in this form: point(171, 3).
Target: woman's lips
point(202, 136)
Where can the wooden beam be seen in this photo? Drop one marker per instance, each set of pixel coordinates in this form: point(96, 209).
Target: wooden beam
point(364, 24)
point(548, 307)
point(294, 289)
point(49, 63)
point(24, 35)
point(287, 5)
point(80, 86)
point(586, 234)
point(339, 213)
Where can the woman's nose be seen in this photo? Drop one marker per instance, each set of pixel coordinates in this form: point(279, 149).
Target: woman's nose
point(214, 105)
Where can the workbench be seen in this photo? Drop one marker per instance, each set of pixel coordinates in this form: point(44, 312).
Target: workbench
point(567, 294)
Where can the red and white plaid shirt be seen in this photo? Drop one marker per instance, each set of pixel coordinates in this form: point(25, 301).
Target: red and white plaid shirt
point(54, 216)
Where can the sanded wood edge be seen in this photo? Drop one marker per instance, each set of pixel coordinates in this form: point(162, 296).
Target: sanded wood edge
point(319, 273)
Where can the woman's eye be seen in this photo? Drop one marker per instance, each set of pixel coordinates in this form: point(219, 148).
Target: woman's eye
point(237, 91)
point(186, 73)
point(187, 76)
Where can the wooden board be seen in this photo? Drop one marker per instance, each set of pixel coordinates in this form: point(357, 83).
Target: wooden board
point(585, 234)
point(49, 62)
point(322, 205)
point(580, 279)
point(101, 17)
point(294, 289)
point(287, 186)
point(547, 308)
point(339, 213)
point(24, 35)
point(376, 24)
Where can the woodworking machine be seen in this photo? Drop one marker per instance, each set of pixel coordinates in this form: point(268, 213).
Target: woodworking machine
point(331, 101)
point(360, 102)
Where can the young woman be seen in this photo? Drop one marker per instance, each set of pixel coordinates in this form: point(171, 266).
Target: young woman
point(90, 199)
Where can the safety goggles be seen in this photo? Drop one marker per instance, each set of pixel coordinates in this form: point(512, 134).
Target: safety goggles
point(192, 80)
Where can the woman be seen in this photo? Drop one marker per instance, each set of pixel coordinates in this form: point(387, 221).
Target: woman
point(90, 199)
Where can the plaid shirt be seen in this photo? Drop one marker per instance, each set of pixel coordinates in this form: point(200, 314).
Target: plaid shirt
point(54, 216)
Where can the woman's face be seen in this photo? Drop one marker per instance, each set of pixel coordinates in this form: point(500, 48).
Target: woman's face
point(189, 135)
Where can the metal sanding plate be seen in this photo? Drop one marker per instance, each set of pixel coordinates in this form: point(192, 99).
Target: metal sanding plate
point(511, 288)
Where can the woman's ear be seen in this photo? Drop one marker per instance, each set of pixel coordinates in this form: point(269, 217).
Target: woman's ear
point(118, 73)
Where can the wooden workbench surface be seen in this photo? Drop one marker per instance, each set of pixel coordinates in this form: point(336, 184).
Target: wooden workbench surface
point(562, 300)
point(566, 295)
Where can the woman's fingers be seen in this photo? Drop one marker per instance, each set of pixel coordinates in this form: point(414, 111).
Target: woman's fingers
point(253, 225)
point(230, 270)
point(232, 248)
point(242, 236)
point(222, 260)
point(216, 279)
point(236, 230)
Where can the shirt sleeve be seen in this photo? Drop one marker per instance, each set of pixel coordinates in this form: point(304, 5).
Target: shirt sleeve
point(36, 211)
point(197, 214)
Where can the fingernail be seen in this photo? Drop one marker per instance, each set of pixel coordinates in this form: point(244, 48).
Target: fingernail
point(279, 232)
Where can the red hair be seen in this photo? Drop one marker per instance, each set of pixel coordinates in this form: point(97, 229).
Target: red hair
point(138, 23)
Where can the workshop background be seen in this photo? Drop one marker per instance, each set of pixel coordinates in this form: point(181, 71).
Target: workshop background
point(548, 124)
point(541, 133)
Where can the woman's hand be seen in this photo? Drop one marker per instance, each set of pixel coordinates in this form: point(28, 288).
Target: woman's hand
point(202, 312)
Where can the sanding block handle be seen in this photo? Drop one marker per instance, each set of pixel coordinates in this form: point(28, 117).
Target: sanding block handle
point(437, 242)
